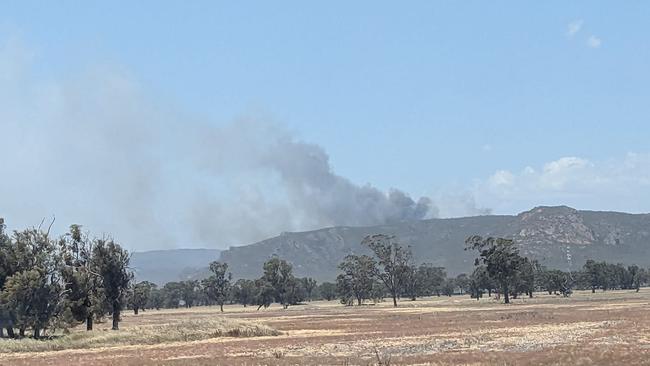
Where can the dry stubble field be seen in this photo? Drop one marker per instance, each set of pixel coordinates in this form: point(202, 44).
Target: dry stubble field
point(609, 328)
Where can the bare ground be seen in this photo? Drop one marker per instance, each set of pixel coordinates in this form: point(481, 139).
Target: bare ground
point(609, 328)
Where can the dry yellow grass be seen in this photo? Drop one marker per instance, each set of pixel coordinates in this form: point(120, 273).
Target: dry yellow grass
point(148, 334)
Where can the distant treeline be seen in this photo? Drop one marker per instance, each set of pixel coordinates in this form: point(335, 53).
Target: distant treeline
point(55, 283)
point(390, 272)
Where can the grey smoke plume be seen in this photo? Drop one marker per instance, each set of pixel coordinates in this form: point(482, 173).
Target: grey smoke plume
point(96, 150)
point(334, 200)
point(288, 184)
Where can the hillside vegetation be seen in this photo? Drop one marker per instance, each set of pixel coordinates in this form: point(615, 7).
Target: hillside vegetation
point(558, 237)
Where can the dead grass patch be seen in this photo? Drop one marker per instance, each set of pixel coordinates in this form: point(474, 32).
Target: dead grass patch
point(183, 331)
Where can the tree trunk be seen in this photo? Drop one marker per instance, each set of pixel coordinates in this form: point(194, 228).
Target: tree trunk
point(89, 322)
point(135, 310)
point(359, 301)
point(506, 297)
point(116, 315)
point(394, 300)
point(221, 307)
point(21, 332)
point(530, 294)
point(593, 290)
point(10, 332)
point(37, 333)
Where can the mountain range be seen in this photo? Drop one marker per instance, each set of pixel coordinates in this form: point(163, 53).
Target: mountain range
point(559, 237)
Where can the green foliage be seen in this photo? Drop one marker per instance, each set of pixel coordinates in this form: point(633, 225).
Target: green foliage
point(309, 285)
point(278, 274)
point(327, 291)
point(448, 287)
point(84, 295)
point(264, 293)
point(479, 282)
point(111, 263)
point(217, 286)
point(244, 291)
point(462, 283)
point(156, 298)
point(172, 294)
point(140, 295)
point(501, 259)
point(32, 294)
point(357, 279)
point(190, 292)
point(392, 261)
point(431, 279)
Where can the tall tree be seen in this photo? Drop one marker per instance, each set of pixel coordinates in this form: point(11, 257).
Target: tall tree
point(413, 283)
point(33, 294)
point(309, 284)
point(140, 295)
point(172, 294)
point(81, 282)
point(264, 293)
point(392, 260)
point(190, 292)
point(501, 259)
point(111, 262)
point(279, 275)
point(592, 274)
point(217, 286)
point(529, 273)
point(479, 282)
point(431, 278)
point(357, 278)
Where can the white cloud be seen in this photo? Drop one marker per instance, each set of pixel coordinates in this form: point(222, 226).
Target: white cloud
point(594, 42)
point(502, 178)
point(621, 184)
point(574, 27)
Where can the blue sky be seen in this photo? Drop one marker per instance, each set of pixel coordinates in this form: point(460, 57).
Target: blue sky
point(511, 104)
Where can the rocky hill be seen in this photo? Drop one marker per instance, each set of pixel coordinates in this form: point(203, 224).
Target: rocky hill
point(559, 237)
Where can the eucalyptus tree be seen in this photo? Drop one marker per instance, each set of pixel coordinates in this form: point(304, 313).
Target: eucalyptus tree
point(217, 286)
point(392, 261)
point(357, 278)
point(84, 297)
point(111, 262)
point(501, 259)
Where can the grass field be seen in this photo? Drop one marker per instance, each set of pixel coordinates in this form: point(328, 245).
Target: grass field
point(611, 328)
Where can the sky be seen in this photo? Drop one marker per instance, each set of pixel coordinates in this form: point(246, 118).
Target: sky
point(209, 124)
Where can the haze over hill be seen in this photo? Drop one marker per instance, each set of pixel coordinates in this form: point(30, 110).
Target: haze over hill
point(161, 266)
